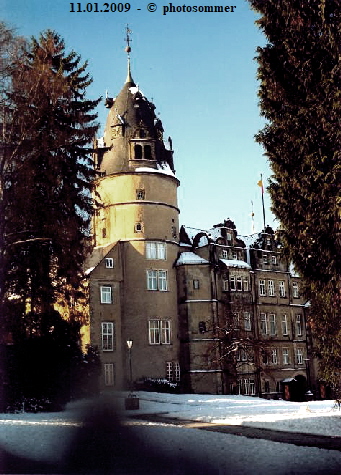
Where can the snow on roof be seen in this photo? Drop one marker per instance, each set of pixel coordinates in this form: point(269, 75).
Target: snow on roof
point(203, 241)
point(88, 271)
point(161, 168)
point(214, 233)
point(193, 232)
point(134, 89)
point(249, 240)
point(96, 257)
point(235, 263)
point(190, 258)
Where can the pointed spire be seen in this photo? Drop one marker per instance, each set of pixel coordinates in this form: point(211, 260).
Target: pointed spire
point(129, 78)
point(128, 50)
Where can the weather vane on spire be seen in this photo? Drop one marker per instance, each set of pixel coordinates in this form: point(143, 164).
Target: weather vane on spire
point(128, 39)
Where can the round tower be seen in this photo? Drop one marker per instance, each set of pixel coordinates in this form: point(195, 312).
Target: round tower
point(137, 227)
point(137, 178)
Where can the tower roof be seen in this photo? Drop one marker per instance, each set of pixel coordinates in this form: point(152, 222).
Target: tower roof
point(134, 133)
point(129, 79)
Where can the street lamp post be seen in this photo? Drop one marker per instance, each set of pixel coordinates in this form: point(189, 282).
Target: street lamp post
point(130, 345)
point(309, 394)
point(132, 401)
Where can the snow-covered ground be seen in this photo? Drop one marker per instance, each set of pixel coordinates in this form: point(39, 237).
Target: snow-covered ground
point(48, 437)
point(315, 417)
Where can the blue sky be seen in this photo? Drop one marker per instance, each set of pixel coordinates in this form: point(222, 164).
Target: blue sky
point(199, 71)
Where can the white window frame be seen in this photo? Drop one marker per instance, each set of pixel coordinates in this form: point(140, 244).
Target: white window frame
point(196, 284)
point(249, 386)
point(108, 336)
point(224, 254)
point(285, 330)
point(274, 260)
point(162, 281)
point(295, 290)
point(109, 263)
point(106, 296)
point(159, 332)
point(281, 288)
point(262, 288)
point(298, 324)
point(157, 280)
point(152, 279)
point(299, 355)
point(247, 321)
point(109, 374)
point(169, 370)
point(274, 357)
point(172, 371)
point(234, 255)
point(239, 284)
point(265, 258)
point(272, 324)
point(286, 356)
point(246, 284)
point(233, 286)
point(177, 372)
point(264, 327)
point(252, 387)
point(271, 288)
point(246, 386)
point(156, 250)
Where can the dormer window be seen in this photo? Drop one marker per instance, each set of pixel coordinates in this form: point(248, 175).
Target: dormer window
point(143, 151)
point(138, 152)
point(148, 152)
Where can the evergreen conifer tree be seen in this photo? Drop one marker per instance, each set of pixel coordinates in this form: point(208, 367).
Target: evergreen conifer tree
point(300, 75)
point(46, 185)
point(49, 175)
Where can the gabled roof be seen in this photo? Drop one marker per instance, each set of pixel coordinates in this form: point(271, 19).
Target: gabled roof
point(190, 258)
point(97, 256)
point(235, 263)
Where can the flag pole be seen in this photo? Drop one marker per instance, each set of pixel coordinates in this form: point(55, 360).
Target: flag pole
point(260, 183)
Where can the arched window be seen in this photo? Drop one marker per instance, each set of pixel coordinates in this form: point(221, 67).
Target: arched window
point(138, 152)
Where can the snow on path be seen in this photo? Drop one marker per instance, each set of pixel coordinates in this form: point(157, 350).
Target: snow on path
point(46, 436)
point(315, 417)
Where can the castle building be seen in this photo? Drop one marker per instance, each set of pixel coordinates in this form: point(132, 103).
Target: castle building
point(211, 311)
point(133, 287)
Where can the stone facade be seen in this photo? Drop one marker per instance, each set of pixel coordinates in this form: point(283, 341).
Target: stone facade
point(254, 339)
point(132, 279)
point(211, 311)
